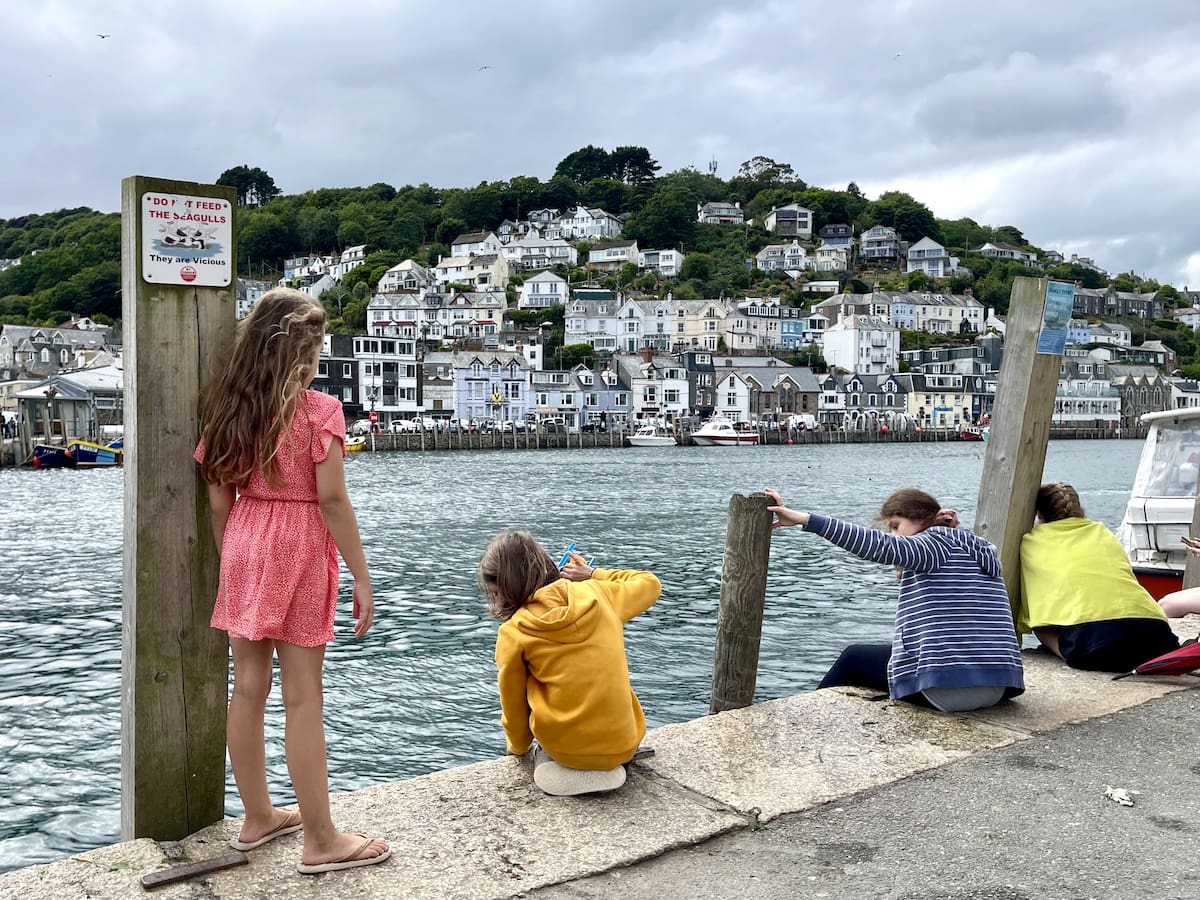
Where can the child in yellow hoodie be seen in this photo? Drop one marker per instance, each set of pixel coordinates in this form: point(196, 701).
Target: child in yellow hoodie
point(560, 652)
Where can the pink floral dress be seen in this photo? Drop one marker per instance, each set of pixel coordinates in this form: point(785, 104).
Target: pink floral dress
point(279, 564)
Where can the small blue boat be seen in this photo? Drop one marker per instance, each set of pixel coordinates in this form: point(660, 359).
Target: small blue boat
point(90, 455)
point(47, 457)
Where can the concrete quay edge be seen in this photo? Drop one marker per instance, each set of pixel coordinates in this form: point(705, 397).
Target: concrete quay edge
point(484, 831)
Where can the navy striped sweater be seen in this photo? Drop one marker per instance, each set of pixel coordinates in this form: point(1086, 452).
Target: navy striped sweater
point(954, 625)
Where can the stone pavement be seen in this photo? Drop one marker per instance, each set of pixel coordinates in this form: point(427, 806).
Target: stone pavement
point(812, 795)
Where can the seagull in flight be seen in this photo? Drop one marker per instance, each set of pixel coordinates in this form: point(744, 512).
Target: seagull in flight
point(481, 68)
point(103, 36)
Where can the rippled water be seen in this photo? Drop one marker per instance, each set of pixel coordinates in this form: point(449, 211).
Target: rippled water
point(418, 694)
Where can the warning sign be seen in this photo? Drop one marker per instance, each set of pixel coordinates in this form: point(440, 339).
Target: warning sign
point(187, 240)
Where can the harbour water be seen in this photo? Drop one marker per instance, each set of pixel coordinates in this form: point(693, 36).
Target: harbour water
point(418, 694)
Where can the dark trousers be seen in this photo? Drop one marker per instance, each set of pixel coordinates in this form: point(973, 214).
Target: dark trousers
point(860, 665)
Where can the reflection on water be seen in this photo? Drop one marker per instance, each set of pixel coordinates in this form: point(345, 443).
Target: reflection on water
point(418, 694)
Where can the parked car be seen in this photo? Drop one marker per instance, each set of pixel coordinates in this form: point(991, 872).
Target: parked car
point(515, 426)
point(405, 426)
point(363, 426)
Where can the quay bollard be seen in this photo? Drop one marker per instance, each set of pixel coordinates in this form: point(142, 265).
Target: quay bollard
point(743, 595)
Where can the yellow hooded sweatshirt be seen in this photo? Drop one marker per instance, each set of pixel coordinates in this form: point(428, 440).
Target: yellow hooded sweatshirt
point(1075, 571)
point(563, 675)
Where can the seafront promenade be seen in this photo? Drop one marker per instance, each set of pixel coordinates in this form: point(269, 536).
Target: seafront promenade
point(834, 793)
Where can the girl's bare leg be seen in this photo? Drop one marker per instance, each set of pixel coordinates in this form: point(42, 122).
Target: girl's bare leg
point(304, 743)
point(1049, 638)
point(244, 735)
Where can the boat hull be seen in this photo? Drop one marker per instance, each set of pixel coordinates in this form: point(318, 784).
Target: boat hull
point(89, 455)
point(48, 457)
point(651, 441)
point(1159, 581)
point(741, 440)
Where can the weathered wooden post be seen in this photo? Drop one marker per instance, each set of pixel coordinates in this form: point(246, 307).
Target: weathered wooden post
point(743, 595)
point(178, 266)
point(1034, 340)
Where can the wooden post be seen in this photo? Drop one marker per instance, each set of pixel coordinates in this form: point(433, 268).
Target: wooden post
point(173, 665)
point(1020, 431)
point(743, 594)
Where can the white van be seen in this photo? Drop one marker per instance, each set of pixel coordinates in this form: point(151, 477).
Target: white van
point(802, 422)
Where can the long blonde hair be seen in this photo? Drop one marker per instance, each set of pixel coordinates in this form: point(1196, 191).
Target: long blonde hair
point(250, 405)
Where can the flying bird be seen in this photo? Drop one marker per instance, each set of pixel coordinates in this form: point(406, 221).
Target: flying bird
point(481, 68)
point(103, 36)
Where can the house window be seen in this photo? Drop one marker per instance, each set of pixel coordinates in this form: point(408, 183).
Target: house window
point(541, 400)
point(649, 394)
point(323, 369)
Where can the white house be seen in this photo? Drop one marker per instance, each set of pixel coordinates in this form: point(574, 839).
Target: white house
point(930, 257)
point(534, 252)
point(658, 384)
point(831, 258)
point(786, 257)
point(475, 242)
point(542, 290)
point(793, 220)
point(583, 224)
point(387, 373)
point(598, 322)
point(666, 263)
point(486, 272)
point(408, 275)
point(865, 345)
point(718, 213)
point(351, 258)
point(754, 324)
point(612, 255)
point(732, 394)
point(1189, 317)
point(1000, 250)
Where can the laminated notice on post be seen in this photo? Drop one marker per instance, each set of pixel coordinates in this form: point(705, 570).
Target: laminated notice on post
point(1056, 315)
point(187, 240)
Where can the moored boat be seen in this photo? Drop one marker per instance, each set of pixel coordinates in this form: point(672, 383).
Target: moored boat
point(90, 455)
point(972, 434)
point(719, 432)
point(355, 444)
point(651, 436)
point(47, 456)
point(1162, 500)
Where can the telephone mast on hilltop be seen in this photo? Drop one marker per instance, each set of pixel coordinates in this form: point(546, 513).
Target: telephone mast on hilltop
point(712, 166)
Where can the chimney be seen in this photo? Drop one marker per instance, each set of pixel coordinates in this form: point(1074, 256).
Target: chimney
point(647, 354)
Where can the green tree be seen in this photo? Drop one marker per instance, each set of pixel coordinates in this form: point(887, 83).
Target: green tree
point(253, 185)
point(666, 221)
point(633, 165)
point(896, 209)
point(317, 228)
point(608, 194)
point(585, 164)
point(697, 267)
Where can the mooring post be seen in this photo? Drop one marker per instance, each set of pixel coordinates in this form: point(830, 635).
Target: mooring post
point(178, 288)
point(1034, 339)
point(743, 595)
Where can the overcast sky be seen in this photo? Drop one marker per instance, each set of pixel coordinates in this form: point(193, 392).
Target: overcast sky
point(1076, 120)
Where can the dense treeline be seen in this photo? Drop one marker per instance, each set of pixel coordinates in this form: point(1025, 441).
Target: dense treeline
point(71, 258)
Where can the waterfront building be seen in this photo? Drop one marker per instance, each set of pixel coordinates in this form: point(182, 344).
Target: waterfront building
point(1086, 403)
point(338, 374)
point(74, 404)
point(776, 389)
point(700, 374)
point(36, 352)
point(866, 345)
point(945, 400)
point(1143, 389)
point(434, 316)
point(607, 402)
point(658, 385)
point(387, 376)
point(491, 385)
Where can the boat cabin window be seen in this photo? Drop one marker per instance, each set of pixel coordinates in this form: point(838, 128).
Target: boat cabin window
point(1171, 466)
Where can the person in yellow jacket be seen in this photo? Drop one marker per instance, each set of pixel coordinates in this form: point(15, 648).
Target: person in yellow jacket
point(1079, 595)
point(560, 654)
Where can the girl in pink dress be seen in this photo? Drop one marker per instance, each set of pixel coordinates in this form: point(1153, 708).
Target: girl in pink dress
point(271, 452)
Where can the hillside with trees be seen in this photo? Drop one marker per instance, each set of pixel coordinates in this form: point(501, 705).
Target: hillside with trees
point(70, 259)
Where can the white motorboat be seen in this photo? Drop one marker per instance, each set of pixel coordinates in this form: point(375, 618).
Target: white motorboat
point(1163, 500)
point(718, 432)
point(651, 436)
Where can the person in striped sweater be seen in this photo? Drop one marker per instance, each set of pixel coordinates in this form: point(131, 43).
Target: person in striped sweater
point(955, 646)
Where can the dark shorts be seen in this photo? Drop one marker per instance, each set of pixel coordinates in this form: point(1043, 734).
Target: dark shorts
point(1115, 645)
